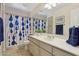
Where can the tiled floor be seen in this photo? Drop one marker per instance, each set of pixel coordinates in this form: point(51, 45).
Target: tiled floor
point(17, 51)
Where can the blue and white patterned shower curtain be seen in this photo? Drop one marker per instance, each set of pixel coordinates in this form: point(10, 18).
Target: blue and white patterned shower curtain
point(18, 29)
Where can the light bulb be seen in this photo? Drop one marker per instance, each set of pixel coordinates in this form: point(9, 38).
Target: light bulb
point(48, 6)
point(54, 4)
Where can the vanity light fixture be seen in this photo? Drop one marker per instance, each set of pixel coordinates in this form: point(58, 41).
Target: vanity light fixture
point(48, 6)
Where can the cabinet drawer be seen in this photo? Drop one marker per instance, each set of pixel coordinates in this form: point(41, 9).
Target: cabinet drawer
point(34, 40)
point(44, 53)
point(34, 49)
point(58, 52)
point(0, 51)
point(46, 47)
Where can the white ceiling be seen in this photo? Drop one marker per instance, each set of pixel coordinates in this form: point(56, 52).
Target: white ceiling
point(22, 6)
point(49, 12)
point(29, 7)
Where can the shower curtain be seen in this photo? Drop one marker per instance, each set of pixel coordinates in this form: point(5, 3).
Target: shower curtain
point(17, 29)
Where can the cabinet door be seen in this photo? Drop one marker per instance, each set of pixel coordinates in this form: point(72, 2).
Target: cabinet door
point(34, 49)
point(0, 51)
point(30, 47)
point(44, 52)
point(58, 52)
point(46, 46)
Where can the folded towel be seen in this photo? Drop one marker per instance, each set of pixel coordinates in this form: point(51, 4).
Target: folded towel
point(73, 36)
point(1, 30)
point(70, 32)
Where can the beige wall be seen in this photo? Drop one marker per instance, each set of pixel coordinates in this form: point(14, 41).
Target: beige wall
point(50, 25)
point(65, 11)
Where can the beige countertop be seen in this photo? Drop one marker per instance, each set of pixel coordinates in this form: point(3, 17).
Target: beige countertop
point(56, 42)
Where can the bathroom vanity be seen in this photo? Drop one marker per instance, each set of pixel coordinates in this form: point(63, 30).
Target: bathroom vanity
point(47, 45)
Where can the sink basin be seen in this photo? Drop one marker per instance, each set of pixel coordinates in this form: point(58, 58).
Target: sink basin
point(47, 37)
point(44, 36)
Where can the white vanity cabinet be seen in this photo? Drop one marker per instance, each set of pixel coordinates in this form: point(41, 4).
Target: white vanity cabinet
point(38, 48)
point(41, 48)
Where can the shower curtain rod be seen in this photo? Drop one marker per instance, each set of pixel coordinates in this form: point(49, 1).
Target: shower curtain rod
point(15, 14)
